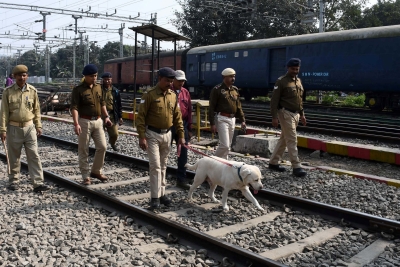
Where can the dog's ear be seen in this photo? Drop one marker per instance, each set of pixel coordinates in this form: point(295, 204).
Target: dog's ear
point(246, 172)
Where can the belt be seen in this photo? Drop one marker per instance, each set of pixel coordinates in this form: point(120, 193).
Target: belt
point(226, 114)
point(293, 111)
point(21, 124)
point(92, 118)
point(154, 129)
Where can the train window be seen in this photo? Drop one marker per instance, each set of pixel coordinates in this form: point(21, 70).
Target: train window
point(236, 54)
point(245, 53)
point(214, 66)
point(202, 66)
point(208, 66)
point(190, 67)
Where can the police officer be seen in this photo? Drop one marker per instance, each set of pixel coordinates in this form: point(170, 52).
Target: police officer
point(112, 97)
point(224, 107)
point(87, 106)
point(20, 124)
point(185, 106)
point(287, 108)
point(158, 112)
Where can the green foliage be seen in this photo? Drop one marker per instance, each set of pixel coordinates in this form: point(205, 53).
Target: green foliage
point(311, 98)
point(329, 99)
point(262, 99)
point(353, 101)
point(383, 13)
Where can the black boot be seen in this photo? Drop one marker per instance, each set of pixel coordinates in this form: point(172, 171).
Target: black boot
point(299, 172)
point(164, 200)
point(13, 187)
point(154, 203)
point(276, 167)
point(183, 185)
point(41, 188)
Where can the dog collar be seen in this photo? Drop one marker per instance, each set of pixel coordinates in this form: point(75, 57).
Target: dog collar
point(240, 177)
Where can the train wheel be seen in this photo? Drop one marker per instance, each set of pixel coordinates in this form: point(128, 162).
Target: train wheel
point(247, 96)
point(375, 104)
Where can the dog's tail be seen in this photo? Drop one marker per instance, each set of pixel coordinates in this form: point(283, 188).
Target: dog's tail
point(192, 167)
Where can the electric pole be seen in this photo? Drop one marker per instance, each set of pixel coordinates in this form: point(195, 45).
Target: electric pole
point(44, 14)
point(74, 46)
point(321, 29)
point(121, 40)
point(81, 43)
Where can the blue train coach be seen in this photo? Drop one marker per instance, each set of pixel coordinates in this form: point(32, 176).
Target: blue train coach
point(362, 60)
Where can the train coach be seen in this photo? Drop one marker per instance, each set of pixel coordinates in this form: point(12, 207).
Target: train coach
point(361, 60)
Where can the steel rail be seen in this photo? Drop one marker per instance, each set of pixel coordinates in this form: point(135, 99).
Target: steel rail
point(335, 213)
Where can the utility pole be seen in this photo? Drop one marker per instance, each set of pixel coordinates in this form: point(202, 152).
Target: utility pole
point(321, 29)
point(46, 65)
point(74, 46)
point(81, 43)
point(121, 40)
point(19, 55)
point(44, 14)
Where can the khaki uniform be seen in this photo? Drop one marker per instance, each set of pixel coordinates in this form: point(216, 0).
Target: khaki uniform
point(88, 102)
point(157, 114)
point(19, 118)
point(224, 107)
point(113, 130)
point(287, 106)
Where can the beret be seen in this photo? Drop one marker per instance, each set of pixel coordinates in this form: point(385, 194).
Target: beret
point(166, 72)
point(180, 75)
point(294, 62)
point(20, 69)
point(89, 69)
point(106, 75)
point(228, 72)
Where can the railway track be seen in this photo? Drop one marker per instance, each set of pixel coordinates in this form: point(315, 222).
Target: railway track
point(380, 129)
point(192, 224)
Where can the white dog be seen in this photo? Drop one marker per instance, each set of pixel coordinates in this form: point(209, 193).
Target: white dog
point(236, 175)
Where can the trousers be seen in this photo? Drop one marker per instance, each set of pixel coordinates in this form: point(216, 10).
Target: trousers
point(289, 122)
point(182, 160)
point(91, 129)
point(16, 138)
point(112, 131)
point(158, 150)
point(226, 128)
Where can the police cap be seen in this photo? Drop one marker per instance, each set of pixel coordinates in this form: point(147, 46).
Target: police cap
point(228, 72)
point(294, 62)
point(106, 75)
point(89, 69)
point(166, 72)
point(20, 69)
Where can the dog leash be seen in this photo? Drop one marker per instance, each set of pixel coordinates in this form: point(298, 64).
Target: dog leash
point(205, 155)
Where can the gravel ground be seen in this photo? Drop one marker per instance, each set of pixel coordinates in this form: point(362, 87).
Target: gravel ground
point(61, 228)
point(341, 190)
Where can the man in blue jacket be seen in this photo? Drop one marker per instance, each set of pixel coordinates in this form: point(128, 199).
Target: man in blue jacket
point(112, 97)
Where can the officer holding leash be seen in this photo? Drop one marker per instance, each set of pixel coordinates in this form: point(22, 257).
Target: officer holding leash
point(87, 106)
point(224, 107)
point(158, 112)
point(112, 97)
point(20, 124)
point(287, 109)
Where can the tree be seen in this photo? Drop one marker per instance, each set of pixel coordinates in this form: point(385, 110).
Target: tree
point(34, 62)
point(383, 13)
point(207, 24)
point(111, 51)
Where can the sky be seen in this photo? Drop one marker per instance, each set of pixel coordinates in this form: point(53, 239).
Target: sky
point(22, 22)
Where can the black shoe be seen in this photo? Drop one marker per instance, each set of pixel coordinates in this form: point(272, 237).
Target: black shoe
point(114, 147)
point(164, 200)
point(154, 203)
point(41, 188)
point(276, 167)
point(183, 185)
point(299, 172)
point(13, 187)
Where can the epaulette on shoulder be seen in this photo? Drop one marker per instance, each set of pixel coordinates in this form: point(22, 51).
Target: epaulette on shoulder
point(31, 87)
point(217, 86)
point(235, 88)
point(151, 89)
point(280, 78)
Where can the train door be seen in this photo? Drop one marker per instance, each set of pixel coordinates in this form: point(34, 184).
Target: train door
point(201, 68)
point(277, 64)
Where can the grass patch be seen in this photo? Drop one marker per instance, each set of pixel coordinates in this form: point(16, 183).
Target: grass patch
point(262, 99)
point(353, 101)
